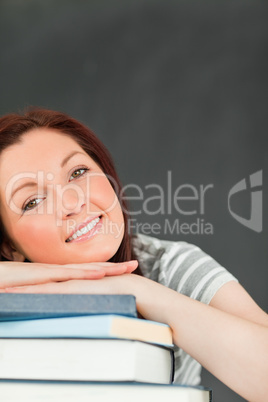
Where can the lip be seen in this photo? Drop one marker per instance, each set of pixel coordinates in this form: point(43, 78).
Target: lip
point(81, 226)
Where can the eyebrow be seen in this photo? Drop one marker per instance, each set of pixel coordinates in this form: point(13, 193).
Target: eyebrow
point(28, 184)
point(66, 159)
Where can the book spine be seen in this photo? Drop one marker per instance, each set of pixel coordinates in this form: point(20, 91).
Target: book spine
point(34, 306)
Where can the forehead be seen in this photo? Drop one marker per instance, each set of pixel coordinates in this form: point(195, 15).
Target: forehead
point(38, 149)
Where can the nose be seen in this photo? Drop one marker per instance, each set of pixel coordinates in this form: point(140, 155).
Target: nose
point(70, 201)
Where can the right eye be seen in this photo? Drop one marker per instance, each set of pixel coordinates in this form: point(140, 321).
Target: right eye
point(31, 204)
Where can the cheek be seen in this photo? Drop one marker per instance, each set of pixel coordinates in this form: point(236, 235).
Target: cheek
point(34, 239)
point(103, 194)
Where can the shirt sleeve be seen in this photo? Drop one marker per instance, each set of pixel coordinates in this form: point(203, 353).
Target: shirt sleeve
point(189, 270)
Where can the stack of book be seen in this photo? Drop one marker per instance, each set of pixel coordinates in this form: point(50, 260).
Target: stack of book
point(85, 348)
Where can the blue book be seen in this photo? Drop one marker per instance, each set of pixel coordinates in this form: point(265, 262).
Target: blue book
point(23, 306)
point(91, 326)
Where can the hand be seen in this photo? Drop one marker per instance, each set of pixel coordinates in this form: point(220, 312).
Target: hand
point(14, 274)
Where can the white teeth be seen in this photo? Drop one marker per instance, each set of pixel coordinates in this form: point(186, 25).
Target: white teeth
point(92, 223)
point(84, 230)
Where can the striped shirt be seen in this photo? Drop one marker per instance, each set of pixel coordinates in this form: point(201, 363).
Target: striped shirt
point(188, 270)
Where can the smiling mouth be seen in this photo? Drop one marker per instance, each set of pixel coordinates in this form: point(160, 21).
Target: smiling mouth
point(84, 230)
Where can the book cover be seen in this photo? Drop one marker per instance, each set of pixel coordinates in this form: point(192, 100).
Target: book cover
point(85, 360)
point(32, 391)
point(91, 326)
point(32, 306)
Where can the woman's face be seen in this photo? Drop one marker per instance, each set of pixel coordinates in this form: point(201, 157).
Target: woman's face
point(57, 206)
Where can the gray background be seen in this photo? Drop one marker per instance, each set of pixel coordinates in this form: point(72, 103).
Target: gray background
point(176, 86)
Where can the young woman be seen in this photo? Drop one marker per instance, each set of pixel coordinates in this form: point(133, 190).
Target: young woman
point(64, 224)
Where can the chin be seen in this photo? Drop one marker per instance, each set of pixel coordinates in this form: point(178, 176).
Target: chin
point(105, 255)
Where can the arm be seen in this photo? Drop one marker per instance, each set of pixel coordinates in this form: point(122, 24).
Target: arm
point(229, 341)
point(231, 344)
point(229, 337)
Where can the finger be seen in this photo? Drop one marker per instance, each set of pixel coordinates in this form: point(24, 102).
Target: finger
point(88, 274)
point(100, 265)
point(61, 274)
point(82, 274)
point(122, 268)
point(34, 273)
point(132, 265)
point(113, 271)
point(30, 289)
point(54, 287)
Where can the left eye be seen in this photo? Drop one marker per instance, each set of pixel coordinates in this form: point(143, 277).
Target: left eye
point(78, 172)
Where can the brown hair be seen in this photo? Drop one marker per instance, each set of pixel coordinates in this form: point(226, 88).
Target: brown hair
point(13, 126)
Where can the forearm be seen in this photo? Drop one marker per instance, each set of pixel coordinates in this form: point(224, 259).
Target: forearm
point(231, 348)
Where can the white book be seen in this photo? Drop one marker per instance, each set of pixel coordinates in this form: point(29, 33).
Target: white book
point(85, 360)
point(31, 391)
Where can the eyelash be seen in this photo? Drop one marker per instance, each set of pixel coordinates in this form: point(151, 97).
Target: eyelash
point(25, 206)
